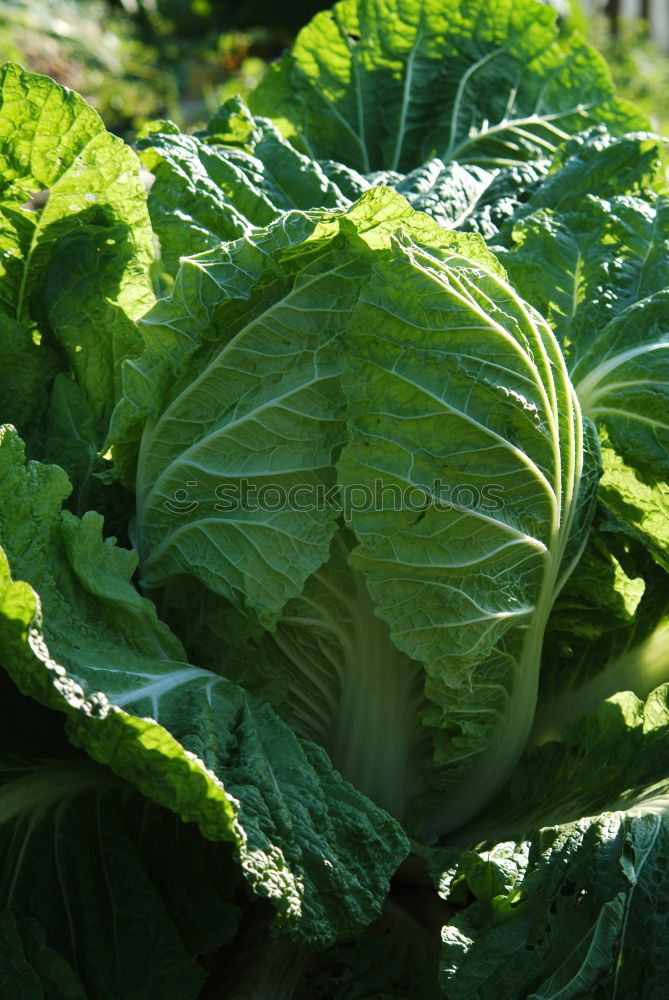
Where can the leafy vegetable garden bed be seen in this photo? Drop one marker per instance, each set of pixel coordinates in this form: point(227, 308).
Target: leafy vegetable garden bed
point(335, 521)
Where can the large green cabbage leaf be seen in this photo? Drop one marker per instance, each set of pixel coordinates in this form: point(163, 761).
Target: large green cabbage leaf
point(596, 266)
point(75, 248)
point(90, 646)
point(332, 350)
point(388, 85)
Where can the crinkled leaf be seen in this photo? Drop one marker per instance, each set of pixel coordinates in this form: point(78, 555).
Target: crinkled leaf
point(75, 244)
point(599, 257)
point(608, 757)
point(241, 173)
point(213, 186)
point(585, 911)
point(593, 162)
point(640, 502)
point(52, 141)
point(452, 194)
point(196, 743)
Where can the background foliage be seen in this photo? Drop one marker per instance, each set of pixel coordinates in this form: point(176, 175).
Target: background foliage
point(137, 60)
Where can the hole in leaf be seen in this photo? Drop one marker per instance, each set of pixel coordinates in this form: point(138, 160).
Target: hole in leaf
point(36, 201)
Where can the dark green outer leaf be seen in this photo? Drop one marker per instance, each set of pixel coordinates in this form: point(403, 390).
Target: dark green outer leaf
point(305, 838)
point(602, 282)
point(580, 908)
point(95, 877)
point(29, 969)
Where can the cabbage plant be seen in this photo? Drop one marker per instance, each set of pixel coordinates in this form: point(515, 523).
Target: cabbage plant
point(334, 582)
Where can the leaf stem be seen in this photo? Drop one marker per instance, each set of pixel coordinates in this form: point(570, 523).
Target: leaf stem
point(640, 669)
